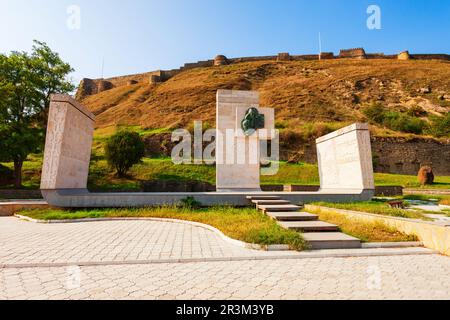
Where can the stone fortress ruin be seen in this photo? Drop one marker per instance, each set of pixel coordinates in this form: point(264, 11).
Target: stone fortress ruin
point(93, 86)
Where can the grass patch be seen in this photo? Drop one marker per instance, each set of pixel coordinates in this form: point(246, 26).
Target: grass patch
point(377, 207)
point(385, 179)
point(445, 201)
point(366, 231)
point(245, 224)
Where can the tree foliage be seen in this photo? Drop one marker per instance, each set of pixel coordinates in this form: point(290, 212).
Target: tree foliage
point(26, 84)
point(123, 150)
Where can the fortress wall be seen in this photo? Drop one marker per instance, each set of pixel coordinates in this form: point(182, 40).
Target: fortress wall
point(199, 64)
point(401, 156)
point(431, 56)
point(352, 53)
point(380, 56)
point(93, 86)
point(305, 57)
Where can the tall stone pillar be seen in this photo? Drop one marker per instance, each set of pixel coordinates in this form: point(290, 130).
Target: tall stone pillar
point(68, 145)
point(238, 154)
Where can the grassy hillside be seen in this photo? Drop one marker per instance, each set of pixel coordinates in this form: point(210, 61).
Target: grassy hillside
point(302, 92)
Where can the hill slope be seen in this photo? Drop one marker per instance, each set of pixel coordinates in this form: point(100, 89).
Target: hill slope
point(300, 91)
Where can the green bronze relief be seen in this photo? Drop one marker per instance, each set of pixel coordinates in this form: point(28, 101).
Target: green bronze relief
point(253, 121)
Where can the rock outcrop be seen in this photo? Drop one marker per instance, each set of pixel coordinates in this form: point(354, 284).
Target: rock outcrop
point(426, 176)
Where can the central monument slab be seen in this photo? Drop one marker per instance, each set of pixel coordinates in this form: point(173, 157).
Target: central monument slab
point(241, 124)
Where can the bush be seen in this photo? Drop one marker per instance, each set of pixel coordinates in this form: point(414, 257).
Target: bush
point(123, 150)
point(394, 120)
point(190, 203)
point(417, 111)
point(440, 126)
point(375, 113)
point(401, 122)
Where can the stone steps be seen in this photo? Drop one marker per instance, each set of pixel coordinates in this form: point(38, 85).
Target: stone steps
point(309, 226)
point(278, 207)
point(292, 216)
point(331, 240)
point(263, 198)
point(271, 202)
point(319, 234)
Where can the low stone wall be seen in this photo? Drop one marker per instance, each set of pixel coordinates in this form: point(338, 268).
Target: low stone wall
point(20, 194)
point(433, 235)
point(427, 191)
point(177, 186)
point(10, 208)
point(388, 191)
point(406, 156)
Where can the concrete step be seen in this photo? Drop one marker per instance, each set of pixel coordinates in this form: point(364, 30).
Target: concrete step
point(292, 216)
point(270, 202)
point(263, 198)
point(309, 226)
point(331, 240)
point(278, 207)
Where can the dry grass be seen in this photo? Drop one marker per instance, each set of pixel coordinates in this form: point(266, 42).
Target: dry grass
point(376, 207)
point(327, 91)
point(366, 231)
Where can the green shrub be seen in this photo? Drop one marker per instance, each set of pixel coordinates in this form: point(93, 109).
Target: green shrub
point(417, 111)
point(401, 122)
point(123, 150)
point(440, 126)
point(394, 120)
point(190, 203)
point(375, 113)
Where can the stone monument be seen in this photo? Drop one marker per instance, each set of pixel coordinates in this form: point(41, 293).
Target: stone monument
point(345, 160)
point(241, 124)
point(68, 145)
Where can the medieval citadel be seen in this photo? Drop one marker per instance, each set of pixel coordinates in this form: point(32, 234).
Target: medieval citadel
point(93, 86)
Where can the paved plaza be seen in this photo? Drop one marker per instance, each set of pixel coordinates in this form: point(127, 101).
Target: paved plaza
point(119, 260)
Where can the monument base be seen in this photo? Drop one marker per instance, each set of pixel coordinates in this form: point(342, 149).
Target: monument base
point(220, 190)
point(81, 198)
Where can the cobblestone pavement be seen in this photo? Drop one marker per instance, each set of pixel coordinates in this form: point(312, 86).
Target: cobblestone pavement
point(395, 277)
point(24, 242)
point(421, 276)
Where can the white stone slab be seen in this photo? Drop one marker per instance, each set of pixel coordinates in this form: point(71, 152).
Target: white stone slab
point(238, 156)
point(68, 145)
point(345, 159)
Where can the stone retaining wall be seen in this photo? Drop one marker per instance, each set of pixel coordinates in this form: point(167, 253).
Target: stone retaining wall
point(20, 194)
point(433, 235)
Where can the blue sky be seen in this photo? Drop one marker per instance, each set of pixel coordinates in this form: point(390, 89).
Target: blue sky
point(141, 35)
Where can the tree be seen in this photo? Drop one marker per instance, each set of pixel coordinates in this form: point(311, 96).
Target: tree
point(26, 83)
point(123, 150)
